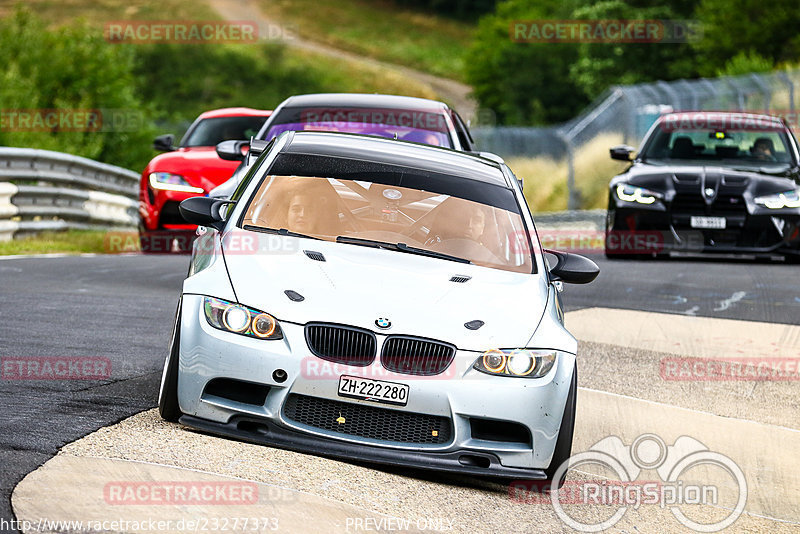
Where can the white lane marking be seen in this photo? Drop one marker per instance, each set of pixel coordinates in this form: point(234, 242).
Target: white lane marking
point(727, 303)
point(685, 335)
point(702, 412)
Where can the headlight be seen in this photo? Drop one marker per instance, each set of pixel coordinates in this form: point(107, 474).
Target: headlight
point(172, 182)
point(787, 199)
point(528, 363)
point(240, 319)
point(632, 193)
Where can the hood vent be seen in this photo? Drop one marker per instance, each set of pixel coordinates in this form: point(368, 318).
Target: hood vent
point(294, 296)
point(460, 278)
point(474, 325)
point(314, 255)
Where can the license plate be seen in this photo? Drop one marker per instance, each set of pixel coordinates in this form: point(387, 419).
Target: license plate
point(373, 390)
point(715, 223)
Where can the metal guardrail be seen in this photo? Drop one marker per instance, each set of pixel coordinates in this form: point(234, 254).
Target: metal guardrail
point(45, 190)
point(627, 111)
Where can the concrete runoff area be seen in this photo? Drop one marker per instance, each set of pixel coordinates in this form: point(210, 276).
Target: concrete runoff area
point(340, 496)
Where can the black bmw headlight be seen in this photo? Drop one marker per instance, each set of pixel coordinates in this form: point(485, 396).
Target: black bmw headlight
point(776, 201)
point(634, 193)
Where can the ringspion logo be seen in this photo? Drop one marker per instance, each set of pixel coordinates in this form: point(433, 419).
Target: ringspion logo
point(682, 484)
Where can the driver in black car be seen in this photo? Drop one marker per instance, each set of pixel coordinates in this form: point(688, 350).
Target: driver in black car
point(763, 149)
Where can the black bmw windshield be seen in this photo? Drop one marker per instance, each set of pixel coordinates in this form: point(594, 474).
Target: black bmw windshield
point(743, 148)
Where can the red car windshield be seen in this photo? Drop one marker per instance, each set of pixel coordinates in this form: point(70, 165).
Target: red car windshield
point(210, 132)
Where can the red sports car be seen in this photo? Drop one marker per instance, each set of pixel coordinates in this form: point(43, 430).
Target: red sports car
point(190, 169)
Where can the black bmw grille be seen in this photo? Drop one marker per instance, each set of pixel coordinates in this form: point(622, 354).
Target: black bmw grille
point(688, 203)
point(723, 205)
point(416, 356)
point(367, 421)
point(341, 344)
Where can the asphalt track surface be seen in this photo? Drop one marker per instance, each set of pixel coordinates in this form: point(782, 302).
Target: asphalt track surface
point(121, 308)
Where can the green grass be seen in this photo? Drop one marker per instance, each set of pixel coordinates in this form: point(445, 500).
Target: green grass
point(70, 242)
point(325, 74)
point(546, 179)
point(98, 12)
point(380, 29)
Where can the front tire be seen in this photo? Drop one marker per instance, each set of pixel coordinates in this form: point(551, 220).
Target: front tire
point(563, 448)
point(168, 407)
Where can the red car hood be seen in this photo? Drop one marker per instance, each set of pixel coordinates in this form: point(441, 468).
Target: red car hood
point(199, 165)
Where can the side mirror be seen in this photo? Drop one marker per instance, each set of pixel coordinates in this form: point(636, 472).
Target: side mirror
point(622, 152)
point(204, 211)
point(163, 143)
point(572, 268)
point(232, 150)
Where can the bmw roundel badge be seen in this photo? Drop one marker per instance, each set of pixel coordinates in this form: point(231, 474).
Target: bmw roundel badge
point(382, 322)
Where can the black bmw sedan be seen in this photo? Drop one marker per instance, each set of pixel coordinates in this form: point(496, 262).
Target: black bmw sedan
point(707, 182)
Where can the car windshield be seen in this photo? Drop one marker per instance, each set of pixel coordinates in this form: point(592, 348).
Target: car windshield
point(765, 146)
point(210, 132)
point(407, 125)
point(402, 219)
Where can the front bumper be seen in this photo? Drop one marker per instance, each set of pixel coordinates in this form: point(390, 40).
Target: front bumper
point(461, 394)
point(640, 230)
point(158, 209)
point(263, 431)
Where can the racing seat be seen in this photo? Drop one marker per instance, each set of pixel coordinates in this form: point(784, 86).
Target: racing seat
point(682, 148)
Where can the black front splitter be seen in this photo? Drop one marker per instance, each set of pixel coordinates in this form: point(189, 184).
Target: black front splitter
point(465, 462)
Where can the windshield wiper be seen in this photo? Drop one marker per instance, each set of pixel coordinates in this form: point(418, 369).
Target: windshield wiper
point(400, 247)
point(281, 231)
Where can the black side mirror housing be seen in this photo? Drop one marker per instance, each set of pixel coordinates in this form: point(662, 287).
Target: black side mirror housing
point(232, 150)
point(204, 211)
point(572, 268)
point(622, 152)
point(164, 143)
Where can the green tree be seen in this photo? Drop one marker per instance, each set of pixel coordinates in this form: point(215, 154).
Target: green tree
point(601, 65)
point(523, 83)
point(70, 68)
point(747, 28)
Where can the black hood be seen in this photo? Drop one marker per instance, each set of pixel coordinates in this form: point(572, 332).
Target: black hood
point(704, 179)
